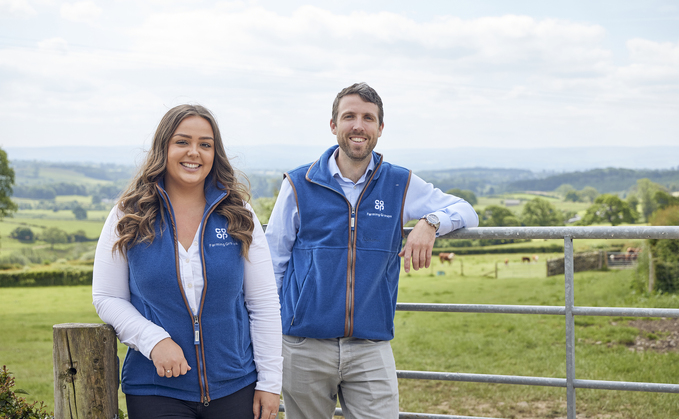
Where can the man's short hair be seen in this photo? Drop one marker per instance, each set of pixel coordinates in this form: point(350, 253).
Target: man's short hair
point(367, 93)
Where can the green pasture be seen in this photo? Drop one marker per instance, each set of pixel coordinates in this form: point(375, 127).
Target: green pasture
point(49, 175)
point(92, 228)
point(26, 319)
point(61, 215)
point(83, 200)
point(526, 345)
point(8, 245)
point(512, 344)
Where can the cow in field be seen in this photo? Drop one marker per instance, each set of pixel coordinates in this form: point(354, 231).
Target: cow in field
point(525, 259)
point(446, 257)
point(632, 253)
point(535, 258)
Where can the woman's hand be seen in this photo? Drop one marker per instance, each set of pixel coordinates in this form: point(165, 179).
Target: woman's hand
point(265, 405)
point(169, 359)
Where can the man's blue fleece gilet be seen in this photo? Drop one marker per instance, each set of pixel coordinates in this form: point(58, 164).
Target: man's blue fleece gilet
point(343, 280)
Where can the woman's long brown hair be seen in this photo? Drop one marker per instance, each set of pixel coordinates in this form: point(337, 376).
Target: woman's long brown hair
point(141, 202)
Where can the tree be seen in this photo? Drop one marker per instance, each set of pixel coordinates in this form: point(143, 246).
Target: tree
point(54, 235)
point(497, 216)
point(80, 213)
point(573, 196)
point(23, 234)
point(645, 191)
point(79, 236)
point(633, 202)
point(609, 208)
point(564, 189)
point(664, 200)
point(589, 193)
point(668, 216)
point(465, 194)
point(6, 182)
point(666, 252)
point(263, 207)
point(540, 212)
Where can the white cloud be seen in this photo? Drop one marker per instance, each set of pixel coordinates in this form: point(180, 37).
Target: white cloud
point(493, 80)
point(16, 8)
point(661, 53)
point(82, 11)
point(54, 45)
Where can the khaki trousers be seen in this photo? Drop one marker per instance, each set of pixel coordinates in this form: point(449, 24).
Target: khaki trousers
point(361, 372)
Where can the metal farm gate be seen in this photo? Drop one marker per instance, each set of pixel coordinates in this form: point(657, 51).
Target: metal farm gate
point(569, 310)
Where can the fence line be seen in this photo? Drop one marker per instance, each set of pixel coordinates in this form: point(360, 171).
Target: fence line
point(74, 363)
point(569, 311)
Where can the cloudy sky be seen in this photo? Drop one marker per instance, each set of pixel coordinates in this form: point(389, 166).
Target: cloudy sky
point(516, 74)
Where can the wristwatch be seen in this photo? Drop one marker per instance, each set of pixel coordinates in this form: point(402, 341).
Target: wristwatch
point(433, 220)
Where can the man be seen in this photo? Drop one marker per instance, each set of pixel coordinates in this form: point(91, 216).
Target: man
point(335, 235)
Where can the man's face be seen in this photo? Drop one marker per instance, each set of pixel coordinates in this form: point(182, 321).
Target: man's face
point(357, 128)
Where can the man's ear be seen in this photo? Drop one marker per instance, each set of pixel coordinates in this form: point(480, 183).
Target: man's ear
point(333, 127)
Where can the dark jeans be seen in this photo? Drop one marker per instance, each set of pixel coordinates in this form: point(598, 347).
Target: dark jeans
point(234, 406)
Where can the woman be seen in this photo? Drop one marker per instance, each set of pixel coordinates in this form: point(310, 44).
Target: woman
point(183, 273)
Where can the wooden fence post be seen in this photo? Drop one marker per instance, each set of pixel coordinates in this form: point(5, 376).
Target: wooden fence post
point(85, 371)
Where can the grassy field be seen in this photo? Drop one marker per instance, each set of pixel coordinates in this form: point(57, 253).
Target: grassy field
point(26, 319)
point(39, 220)
point(454, 342)
point(49, 175)
point(529, 346)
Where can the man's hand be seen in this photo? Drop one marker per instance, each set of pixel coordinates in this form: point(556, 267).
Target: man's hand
point(418, 246)
point(266, 404)
point(168, 359)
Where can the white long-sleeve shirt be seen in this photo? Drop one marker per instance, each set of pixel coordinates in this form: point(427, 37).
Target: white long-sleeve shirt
point(421, 199)
point(111, 297)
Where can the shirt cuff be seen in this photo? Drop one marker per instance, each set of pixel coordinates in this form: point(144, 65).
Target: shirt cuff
point(445, 225)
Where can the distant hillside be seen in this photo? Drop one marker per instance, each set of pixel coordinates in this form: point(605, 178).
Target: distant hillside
point(40, 172)
point(283, 157)
point(44, 180)
point(478, 180)
point(604, 180)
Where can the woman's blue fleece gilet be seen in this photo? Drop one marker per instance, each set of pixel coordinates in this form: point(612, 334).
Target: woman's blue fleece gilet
point(221, 359)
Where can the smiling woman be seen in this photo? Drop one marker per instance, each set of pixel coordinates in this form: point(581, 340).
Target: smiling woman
point(190, 154)
point(184, 223)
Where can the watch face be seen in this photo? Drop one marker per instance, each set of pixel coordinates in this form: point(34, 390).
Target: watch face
point(432, 219)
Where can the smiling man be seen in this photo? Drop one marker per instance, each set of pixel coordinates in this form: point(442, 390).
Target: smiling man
point(335, 237)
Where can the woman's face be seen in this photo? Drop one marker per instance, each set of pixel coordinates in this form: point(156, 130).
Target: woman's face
point(190, 154)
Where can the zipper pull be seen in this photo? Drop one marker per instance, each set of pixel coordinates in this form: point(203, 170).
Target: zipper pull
point(353, 217)
point(196, 331)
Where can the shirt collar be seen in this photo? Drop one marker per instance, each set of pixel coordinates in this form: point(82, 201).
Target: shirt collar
point(335, 171)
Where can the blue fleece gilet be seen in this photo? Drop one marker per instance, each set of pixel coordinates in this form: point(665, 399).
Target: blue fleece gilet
point(222, 361)
point(343, 281)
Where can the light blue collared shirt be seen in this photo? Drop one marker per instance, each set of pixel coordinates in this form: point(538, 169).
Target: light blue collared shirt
point(422, 198)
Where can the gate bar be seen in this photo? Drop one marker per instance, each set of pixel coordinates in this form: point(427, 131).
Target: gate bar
point(548, 310)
